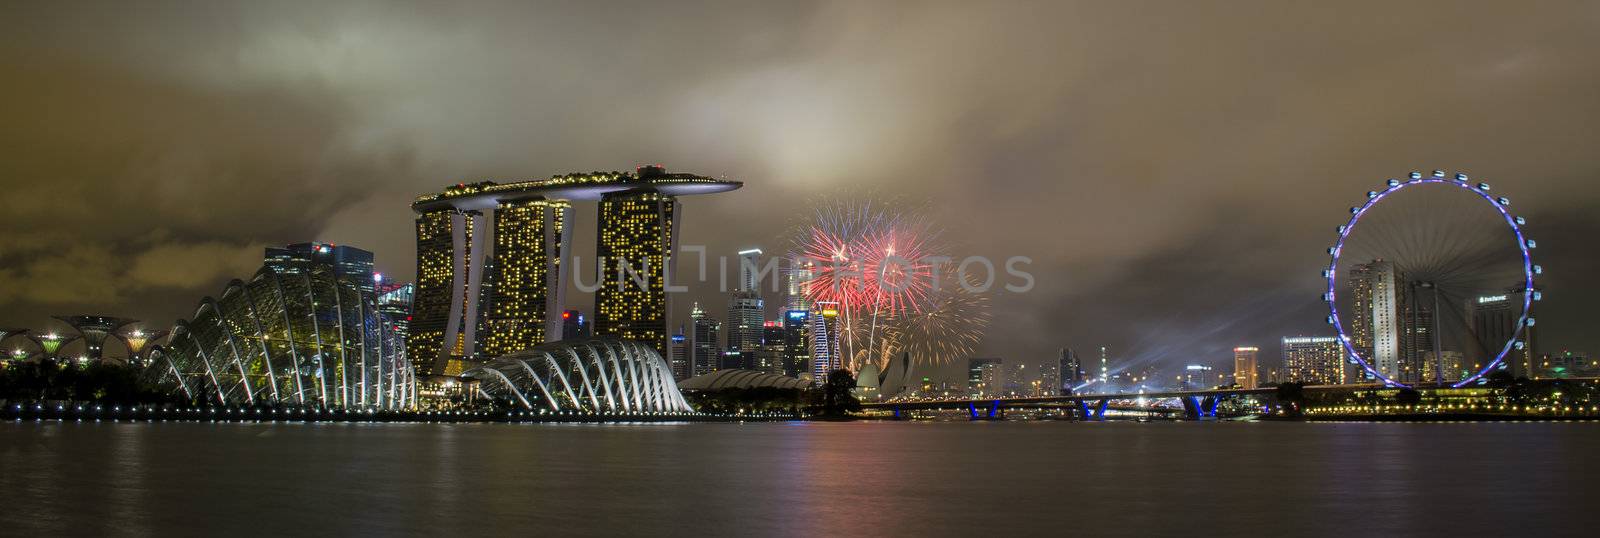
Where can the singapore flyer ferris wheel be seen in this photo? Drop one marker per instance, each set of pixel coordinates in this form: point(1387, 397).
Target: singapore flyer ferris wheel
point(1431, 282)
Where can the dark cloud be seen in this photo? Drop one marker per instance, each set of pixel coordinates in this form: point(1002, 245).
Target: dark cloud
point(1174, 169)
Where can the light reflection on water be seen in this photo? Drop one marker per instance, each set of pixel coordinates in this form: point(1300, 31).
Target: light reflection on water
point(800, 479)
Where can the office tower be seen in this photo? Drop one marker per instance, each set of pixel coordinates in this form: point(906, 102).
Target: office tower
point(1377, 319)
point(1314, 360)
point(798, 275)
point(345, 261)
point(824, 341)
point(574, 325)
point(704, 353)
point(1014, 378)
point(526, 284)
point(1246, 373)
point(1494, 321)
point(983, 377)
point(746, 310)
point(394, 302)
point(679, 359)
point(1072, 373)
point(492, 259)
point(771, 356)
point(1197, 376)
point(1049, 383)
point(797, 354)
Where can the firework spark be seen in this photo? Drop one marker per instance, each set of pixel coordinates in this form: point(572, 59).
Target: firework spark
point(879, 262)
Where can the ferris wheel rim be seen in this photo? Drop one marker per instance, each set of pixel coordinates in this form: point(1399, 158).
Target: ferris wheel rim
point(1524, 247)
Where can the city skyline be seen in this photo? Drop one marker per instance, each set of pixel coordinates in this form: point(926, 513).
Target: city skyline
point(1239, 239)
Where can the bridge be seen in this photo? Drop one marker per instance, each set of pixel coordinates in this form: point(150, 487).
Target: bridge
point(1197, 404)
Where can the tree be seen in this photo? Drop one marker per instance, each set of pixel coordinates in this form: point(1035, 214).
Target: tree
point(838, 396)
point(1291, 395)
point(1408, 396)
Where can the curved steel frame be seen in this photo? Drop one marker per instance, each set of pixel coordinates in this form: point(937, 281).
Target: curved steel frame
point(203, 352)
point(591, 375)
point(1395, 185)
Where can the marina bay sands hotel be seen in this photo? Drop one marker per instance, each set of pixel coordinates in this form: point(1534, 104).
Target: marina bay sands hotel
point(493, 260)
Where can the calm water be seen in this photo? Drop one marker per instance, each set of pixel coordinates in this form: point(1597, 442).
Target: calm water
point(824, 479)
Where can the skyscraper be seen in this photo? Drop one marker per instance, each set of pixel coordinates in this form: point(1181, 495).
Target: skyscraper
point(1246, 373)
point(1494, 319)
point(1377, 317)
point(1049, 379)
point(983, 377)
point(824, 340)
point(444, 312)
point(798, 276)
point(746, 310)
point(679, 359)
point(394, 302)
point(345, 261)
point(492, 259)
point(526, 287)
point(1072, 373)
point(637, 233)
point(797, 354)
point(705, 354)
point(771, 357)
point(1314, 360)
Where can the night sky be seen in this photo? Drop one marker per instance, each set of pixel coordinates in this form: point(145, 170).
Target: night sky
point(1175, 170)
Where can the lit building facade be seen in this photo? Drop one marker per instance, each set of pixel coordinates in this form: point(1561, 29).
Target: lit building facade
point(1072, 373)
point(797, 354)
point(824, 341)
point(1049, 383)
point(526, 287)
point(1494, 319)
point(492, 260)
point(345, 261)
point(983, 377)
point(394, 302)
point(1246, 371)
point(1377, 318)
point(636, 238)
point(679, 360)
point(1314, 360)
point(705, 354)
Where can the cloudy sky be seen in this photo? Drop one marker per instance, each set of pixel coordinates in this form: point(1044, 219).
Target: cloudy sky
point(1175, 169)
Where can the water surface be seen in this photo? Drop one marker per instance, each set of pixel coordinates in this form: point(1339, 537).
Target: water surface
point(793, 479)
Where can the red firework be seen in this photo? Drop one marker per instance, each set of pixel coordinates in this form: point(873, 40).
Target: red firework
point(867, 261)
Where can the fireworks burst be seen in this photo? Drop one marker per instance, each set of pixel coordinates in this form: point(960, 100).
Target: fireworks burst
point(877, 261)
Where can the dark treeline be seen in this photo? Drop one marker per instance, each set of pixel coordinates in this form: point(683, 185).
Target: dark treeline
point(61, 380)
